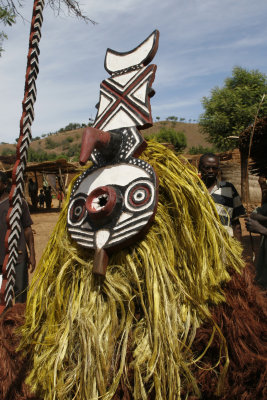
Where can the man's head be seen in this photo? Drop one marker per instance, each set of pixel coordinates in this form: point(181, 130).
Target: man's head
point(209, 167)
point(3, 182)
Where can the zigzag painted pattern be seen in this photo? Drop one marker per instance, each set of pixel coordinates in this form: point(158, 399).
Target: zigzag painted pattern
point(15, 197)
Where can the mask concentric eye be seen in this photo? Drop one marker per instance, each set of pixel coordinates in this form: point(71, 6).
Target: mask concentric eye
point(139, 195)
point(77, 210)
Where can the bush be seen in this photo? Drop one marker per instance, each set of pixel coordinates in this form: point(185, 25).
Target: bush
point(50, 144)
point(40, 156)
point(177, 139)
point(37, 156)
point(153, 136)
point(71, 126)
point(8, 152)
point(74, 151)
point(172, 118)
point(59, 156)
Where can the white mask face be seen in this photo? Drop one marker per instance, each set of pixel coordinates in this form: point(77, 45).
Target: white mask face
point(112, 204)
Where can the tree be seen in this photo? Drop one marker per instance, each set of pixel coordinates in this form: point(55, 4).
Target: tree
point(72, 6)
point(7, 17)
point(172, 118)
point(169, 135)
point(10, 9)
point(231, 109)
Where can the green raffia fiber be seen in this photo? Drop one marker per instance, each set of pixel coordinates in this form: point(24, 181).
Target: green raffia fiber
point(80, 329)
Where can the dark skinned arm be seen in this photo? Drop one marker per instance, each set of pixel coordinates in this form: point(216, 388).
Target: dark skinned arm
point(259, 217)
point(237, 230)
point(30, 243)
point(255, 226)
point(263, 185)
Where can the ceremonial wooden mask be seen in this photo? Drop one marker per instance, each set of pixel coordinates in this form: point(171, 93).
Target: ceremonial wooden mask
point(114, 201)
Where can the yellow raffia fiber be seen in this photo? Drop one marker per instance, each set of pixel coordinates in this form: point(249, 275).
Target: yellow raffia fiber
point(80, 329)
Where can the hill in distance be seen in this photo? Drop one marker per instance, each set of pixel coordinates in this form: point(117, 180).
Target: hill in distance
point(68, 143)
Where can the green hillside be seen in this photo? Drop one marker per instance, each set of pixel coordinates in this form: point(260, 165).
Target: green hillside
point(67, 144)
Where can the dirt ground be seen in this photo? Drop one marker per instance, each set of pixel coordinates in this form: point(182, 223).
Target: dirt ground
point(44, 223)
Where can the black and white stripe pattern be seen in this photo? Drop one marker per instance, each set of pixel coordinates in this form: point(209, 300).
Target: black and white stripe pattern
point(129, 228)
point(120, 232)
point(228, 203)
point(14, 213)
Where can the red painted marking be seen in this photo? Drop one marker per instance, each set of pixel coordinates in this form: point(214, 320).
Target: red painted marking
point(92, 139)
point(135, 203)
point(107, 209)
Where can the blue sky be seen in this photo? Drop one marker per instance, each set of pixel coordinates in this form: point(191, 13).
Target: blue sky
point(200, 43)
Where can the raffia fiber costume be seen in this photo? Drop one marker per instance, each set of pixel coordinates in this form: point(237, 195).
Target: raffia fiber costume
point(159, 324)
point(167, 321)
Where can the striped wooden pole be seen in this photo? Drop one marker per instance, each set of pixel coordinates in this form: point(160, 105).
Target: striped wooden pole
point(16, 193)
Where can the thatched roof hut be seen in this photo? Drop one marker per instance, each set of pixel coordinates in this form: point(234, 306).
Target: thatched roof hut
point(57, 173)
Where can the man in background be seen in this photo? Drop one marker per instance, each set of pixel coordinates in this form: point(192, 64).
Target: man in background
point(25, 240)
point(263, 186)
point(225, 195)
point(257, 223)
point(48, 197)
point(41, 198)
point(33, 192)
